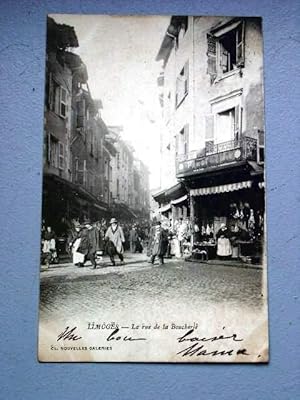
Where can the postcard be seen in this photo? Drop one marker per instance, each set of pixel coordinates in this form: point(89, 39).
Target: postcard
point(153, 233)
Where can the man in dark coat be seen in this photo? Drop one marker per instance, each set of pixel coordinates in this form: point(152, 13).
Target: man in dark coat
point(133, 238)
point(88, 244)
point(159, 244)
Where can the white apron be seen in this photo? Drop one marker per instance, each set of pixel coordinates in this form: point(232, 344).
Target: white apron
point(224, 248)
point(77, 257)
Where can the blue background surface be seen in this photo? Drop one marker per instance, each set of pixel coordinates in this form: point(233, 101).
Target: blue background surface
point(22, 58)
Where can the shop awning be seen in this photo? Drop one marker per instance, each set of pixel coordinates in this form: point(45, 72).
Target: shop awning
point(180, 200)
point(164, 208)
point(231, 187)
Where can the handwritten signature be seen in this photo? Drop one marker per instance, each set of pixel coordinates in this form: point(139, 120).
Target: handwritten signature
point(69, 334)
point(115, 336)
point(198, 349)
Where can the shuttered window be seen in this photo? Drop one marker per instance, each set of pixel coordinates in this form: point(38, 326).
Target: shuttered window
point(182, 84)
point(226, 50)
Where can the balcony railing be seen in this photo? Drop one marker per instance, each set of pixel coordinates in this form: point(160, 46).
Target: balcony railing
point(215, 155)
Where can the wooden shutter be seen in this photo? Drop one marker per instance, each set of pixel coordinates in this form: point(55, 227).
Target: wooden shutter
point(224, 59)
point(63, 102)
point(186, 78)
point(212, 57)
point(240, 45)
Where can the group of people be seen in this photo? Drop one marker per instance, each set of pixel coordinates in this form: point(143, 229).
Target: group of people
point(90, 241)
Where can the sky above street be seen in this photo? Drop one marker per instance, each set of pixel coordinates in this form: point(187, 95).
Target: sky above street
point(119, 52)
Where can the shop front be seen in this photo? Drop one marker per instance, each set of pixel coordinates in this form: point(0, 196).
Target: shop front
point(233, 212)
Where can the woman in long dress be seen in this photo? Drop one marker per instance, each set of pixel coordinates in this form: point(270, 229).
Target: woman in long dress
point(224, 249)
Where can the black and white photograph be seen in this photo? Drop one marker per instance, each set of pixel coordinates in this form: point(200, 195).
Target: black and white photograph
point(153, 233)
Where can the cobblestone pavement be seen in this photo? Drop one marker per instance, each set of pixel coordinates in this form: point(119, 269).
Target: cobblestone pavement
point(140, 288)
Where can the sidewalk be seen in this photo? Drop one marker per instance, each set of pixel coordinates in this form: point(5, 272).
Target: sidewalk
point(227, 263)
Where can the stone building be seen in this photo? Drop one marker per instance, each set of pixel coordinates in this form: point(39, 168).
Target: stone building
point(211, 91)
point(74, 184)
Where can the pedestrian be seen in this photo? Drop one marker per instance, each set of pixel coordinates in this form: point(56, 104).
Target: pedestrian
point(181, 235)
point(133, 238)
point(115, 241)
point(224, 248)
point(88, 244)
point(77, 257)
point(159, 244)
point(49, 253)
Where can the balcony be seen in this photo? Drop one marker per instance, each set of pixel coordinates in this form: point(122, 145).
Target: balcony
point(217, 155)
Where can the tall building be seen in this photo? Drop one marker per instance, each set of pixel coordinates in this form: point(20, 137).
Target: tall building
point(74, 184)
point(212, 143)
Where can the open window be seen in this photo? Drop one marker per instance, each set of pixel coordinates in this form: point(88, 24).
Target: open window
point(226, 49)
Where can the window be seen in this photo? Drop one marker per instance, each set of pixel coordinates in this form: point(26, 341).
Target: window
point(182, 141)
point(57, 97)
point(222, 130)
point(80, 108)
point(80, 172)
point(182, 84)
point(52, 151)
point(63, 102)
point(225, 49)
point(61, 156)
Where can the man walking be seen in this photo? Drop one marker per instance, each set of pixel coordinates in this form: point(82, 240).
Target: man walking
point(88, 244)
point(133, 238)
point(116, 240)
point(159, 244)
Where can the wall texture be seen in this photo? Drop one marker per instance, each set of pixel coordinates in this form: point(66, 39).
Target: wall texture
point(22, 52)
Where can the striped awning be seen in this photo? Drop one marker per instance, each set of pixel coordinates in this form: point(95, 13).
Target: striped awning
point(230, 187)
point(180, 200)
point(164, 208)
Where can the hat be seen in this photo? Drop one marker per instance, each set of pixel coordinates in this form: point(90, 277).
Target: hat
point(113, 220)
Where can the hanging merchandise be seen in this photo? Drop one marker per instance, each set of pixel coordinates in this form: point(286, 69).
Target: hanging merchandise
point(208, 232)
point(236, 214)
point(241, 214)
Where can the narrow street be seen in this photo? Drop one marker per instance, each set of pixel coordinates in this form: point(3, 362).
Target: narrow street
point(173, 287)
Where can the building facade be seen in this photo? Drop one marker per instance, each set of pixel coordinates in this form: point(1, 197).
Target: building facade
point(75, 184)
point(211, 89)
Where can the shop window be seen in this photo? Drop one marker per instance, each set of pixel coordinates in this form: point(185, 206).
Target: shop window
point(225, 49)
point(182, 84)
